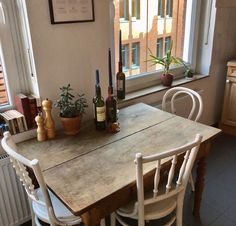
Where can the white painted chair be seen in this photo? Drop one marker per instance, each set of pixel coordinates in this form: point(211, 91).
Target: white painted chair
point(164, 201)
point(44, 204)
point(173, 93)
point(195, 113)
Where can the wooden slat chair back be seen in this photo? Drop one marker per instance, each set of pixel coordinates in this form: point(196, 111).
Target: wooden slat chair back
point(173, 93)
point(173, 192)
point(20, 164)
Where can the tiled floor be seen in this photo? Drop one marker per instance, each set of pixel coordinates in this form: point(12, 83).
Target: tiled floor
point(219, 198)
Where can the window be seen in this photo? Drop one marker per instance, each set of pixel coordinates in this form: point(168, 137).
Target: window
point(16, 60)
point(167, 44)
point(125, 57)
point(135, 55)
point(3, 91)
point(159, 47)
point(136, 9)
point(124, 9)
point(154, 31)
point(161, 8)
point(169, 8)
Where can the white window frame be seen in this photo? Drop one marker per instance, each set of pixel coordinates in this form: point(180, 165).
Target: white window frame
point(17, 66)
point(148, 79)
point(9, 52)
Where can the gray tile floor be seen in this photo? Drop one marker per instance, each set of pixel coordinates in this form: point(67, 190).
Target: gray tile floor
point(219, 198)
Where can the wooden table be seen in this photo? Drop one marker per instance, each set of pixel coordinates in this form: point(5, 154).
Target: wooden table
point(94, 173)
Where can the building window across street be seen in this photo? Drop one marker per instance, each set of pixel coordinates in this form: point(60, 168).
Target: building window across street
point(135, 55)
point(125, 57)
point(159, 47)
point(161, 8)
point(124, 9)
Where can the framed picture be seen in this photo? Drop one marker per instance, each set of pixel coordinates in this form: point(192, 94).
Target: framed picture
point(71, 11)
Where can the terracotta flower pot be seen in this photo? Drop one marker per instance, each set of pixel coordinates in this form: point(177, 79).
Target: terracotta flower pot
point(167, 79)
point(71, 126)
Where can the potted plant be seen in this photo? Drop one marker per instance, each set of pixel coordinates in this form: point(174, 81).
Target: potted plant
point(188, 71)
point(166, 61)
point(71, 109)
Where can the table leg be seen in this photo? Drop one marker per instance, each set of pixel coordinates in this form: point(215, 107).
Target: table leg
point(200, 179)
point(89, 219)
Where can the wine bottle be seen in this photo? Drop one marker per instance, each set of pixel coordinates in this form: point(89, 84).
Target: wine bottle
point(111, 107)
point(99, 106)
point(120, 76)
point(111, 103)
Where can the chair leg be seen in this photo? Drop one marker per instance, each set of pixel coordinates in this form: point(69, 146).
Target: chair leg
point(191, 182)
point(32, 212)
point(103, 222)
point(179, 210)
point(113, 219)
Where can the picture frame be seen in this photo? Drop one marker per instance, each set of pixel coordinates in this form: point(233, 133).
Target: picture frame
point(71, 11)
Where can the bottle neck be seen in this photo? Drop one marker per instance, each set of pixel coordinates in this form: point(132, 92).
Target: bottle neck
point(120, 66)
point(98, 91)
point(110, 91)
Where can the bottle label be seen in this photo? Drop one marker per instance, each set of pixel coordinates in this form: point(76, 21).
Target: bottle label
point(101, 116)
point(120, 85)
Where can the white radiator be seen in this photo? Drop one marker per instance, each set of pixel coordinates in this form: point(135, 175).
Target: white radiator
point(14, 207)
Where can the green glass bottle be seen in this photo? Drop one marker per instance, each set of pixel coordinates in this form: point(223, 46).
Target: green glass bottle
point(120, 76)
point(111, 107)
point(111, 102)
point(120, 83)
point(99, 106)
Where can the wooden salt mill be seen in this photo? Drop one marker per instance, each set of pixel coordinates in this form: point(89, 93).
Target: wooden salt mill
point(41, 132)
point(49, 123)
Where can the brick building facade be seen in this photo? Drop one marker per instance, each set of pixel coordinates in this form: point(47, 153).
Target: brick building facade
point(148, 24)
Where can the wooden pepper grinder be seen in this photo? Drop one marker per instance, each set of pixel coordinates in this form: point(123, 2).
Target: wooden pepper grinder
point(41, 132)
point(49, 123)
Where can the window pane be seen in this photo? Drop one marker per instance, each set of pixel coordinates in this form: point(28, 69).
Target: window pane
point(159, 47)
point(147, 30)
point(125, 57)
point(169, 8)
point(167, 44)
point(161, 8)
point(124, 9)
point(135, 54)
point(136, 8)
point(3, 91)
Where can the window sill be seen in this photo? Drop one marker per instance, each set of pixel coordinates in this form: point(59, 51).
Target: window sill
point(159, 88)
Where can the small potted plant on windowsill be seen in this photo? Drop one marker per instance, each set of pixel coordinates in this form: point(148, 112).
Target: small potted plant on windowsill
point(71, 110)
point(188, 71)
point(166, 61)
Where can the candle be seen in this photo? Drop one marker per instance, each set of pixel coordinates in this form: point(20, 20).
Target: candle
point(120, 48)
point(109, 64)
point(97, 77)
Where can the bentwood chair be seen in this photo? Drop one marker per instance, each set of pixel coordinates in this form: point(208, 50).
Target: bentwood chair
point(44, 204)
point(171, 96)
point(162, 201)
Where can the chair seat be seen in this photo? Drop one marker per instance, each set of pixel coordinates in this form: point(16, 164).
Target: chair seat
point(152, 211)
point(61, 211)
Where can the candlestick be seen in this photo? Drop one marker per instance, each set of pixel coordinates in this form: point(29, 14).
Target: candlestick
point(109, 64)
point(97, 77)
point(120, 48)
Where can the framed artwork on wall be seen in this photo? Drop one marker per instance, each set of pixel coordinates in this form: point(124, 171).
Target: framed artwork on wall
point(71, 11)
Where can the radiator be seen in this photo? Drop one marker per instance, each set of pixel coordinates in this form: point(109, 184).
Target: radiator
point(14, 207)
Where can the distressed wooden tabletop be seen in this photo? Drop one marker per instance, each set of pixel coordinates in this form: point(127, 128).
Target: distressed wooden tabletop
point(85, 169)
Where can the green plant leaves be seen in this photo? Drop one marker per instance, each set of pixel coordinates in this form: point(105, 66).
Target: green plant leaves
point(69, 105)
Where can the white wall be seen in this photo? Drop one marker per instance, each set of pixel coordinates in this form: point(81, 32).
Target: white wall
point(70, 53)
